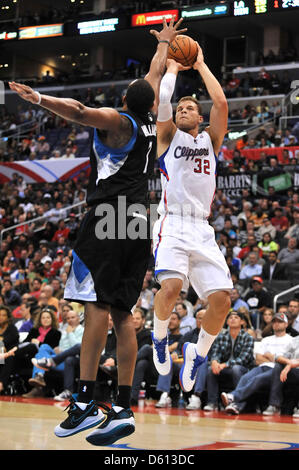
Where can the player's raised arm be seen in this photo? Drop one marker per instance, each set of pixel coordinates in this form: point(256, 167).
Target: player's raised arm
point(166, 127)
point(158, 63)
point(72, 110)
point(219, 110)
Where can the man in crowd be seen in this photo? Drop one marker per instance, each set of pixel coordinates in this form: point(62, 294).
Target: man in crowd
point(231, 357)
point(286, 371)
point(259, 378)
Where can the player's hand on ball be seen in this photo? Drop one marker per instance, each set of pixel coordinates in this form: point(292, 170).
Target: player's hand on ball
point(168, 33)
point(172, 64)
point(24, 92)
point(200, 58)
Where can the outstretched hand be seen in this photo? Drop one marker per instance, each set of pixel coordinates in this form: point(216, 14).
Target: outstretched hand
point(168, 33)
point(24, 92)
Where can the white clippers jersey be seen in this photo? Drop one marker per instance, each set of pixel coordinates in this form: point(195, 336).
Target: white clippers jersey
point(188, 170)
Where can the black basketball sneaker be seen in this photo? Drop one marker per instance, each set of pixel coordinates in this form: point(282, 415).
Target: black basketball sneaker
point(81, 416)
point(120, 423)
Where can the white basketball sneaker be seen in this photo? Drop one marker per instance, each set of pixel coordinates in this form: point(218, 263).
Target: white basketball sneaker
point(161, 356)
point(192, 361)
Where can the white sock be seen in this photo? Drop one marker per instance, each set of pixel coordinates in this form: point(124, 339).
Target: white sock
point(204, 342)
point(160, 327)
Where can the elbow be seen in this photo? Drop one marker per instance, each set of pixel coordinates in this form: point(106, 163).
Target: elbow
point(222, 104)
point(79, 113)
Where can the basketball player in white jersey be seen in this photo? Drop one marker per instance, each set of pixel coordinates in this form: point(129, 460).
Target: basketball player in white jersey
point(184, 243)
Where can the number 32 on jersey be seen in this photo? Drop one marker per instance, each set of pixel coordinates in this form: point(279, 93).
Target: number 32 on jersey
point(202, 166)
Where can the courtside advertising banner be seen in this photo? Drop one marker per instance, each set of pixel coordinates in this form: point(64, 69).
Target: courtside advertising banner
point(154, 17)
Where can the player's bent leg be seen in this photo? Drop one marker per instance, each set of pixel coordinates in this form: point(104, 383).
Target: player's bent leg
point(165, 300)
point(85, 413)
point(218, 308)
point(120, 421)
point(195, 355)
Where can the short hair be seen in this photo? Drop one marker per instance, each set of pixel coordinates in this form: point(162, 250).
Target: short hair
point(182, 304)
point(176, 313)
point(140, 96)
point(140, 310)
point(191, 98)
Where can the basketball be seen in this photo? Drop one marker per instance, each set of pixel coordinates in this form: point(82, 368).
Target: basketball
point(183, 49)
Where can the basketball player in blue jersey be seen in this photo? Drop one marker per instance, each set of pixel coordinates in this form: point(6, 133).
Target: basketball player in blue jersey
point(184, 243)
point(107, 273)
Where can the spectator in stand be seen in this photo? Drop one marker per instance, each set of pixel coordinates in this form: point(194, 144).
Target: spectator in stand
point(187, 323)
point(257, 298)
point(68, 154)
point(28, 311)
point(246, 322)
point(144, 368)
point(293, 231)
point(286, 371)
point(275, 168)
point(265, 328)
point(251, 242)
point(290, 254)
point(293, 309)
point(62, 231)
point(11, 297)
point(252, 268)
point(47, 290)
point(44, 359)
point(236, 300)
point(232, 86)
point(268, 245)
point(280, 221)
point(9, 336)
point(44, 331)
point(231, 357)
point(267, 227)
point(273, 269)
point(258, 217)
point(259, 378)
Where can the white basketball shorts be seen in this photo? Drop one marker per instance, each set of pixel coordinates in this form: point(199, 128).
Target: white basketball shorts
point(188, 250)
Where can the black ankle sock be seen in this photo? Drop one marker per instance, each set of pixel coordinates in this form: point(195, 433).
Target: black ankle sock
point(85, 390)
point(124, 396)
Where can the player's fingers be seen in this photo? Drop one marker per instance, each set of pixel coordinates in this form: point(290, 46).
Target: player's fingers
point(154, 32)
point(164, 22)
point(178, 23)
point(180, 31)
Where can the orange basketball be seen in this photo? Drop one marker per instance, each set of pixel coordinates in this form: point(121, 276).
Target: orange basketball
point(183, 49)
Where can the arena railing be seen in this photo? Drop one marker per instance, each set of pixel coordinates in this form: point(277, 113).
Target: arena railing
point(283, 293)
point(21, 130)
point(43, 220)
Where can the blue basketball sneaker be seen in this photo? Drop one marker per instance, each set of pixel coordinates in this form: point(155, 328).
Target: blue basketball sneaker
point(119, 423)
point(161, 356)
point(192, 361)
point(81, 416)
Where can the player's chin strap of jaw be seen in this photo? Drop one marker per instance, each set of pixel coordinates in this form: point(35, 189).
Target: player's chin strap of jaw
point(166, 91)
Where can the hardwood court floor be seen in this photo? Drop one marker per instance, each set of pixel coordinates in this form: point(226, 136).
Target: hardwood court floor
point(27, 424)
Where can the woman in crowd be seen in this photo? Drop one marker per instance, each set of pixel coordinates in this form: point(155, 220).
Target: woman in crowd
point(9, 338)
point(45, 330)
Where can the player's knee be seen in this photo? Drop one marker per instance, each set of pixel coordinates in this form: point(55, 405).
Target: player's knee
point(170, 289)
point(220, 302)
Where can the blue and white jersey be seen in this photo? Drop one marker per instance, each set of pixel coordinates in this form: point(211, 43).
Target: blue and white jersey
point(188, 169)
point(123, 171)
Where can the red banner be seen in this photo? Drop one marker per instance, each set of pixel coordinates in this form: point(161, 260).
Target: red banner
point(154, 17)
point(254, 154)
